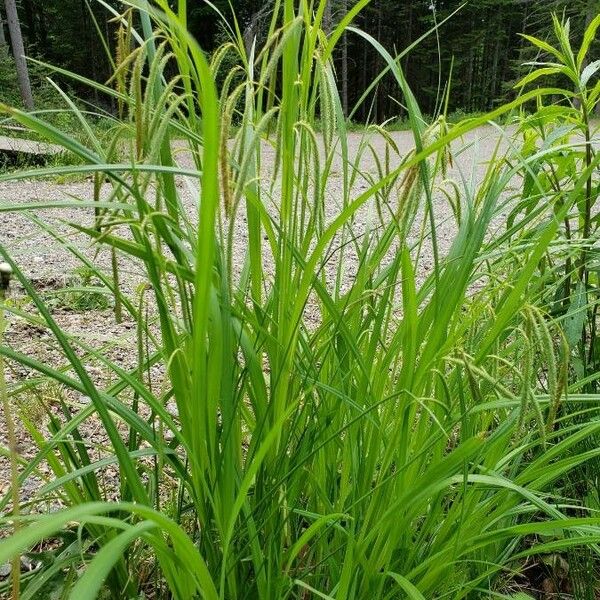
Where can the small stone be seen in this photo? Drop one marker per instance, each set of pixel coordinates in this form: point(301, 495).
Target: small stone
point(5, 570)
point(84, 399)
point(172, 409)
point(5, 275)
point(29, 486)
point(27, 565)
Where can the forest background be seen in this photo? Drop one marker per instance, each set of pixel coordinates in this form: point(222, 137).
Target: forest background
point(478, 51)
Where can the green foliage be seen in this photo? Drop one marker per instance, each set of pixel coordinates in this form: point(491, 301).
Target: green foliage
point(405, 431)
point(564, 131)
point(44, 95)
point(8, 78)
point(81, 295)
point(49, 100)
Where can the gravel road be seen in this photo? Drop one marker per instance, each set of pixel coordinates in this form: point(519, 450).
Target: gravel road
point(50, 267)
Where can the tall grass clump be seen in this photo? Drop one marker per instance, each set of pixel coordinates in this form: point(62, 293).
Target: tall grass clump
point(345, 407)
point(560, 133)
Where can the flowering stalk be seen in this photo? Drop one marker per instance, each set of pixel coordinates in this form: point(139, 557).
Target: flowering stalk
point(5, 275)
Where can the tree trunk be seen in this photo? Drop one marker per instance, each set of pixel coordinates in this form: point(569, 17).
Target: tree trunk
point(469, 86)
point(494, 79)
point(328, 18)
point(90, 43)
point(29, 23)
point(365, 79)
point(2, 36)
point(42, 28)
point(408, 40)
point(16, 40)
point(255, 26)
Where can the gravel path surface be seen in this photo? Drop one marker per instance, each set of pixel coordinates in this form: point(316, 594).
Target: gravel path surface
point(43, 259)
point(50, 267)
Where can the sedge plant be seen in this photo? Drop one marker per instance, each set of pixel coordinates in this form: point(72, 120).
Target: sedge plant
point(358, 411)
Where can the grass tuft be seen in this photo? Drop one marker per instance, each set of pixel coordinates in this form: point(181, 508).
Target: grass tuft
point(350, 407)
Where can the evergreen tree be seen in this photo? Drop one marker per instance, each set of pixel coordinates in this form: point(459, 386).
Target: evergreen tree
point(479, 51)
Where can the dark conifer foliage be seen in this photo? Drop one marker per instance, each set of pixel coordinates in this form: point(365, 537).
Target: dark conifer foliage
point(478, 51)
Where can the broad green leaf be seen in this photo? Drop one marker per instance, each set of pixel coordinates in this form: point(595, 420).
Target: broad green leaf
point(588, 38)
point(545, 46)
point(589, 72)
point(411, 591)
point(536, 75)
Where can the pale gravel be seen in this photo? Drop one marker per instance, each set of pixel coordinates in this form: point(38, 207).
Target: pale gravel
point(49, 266)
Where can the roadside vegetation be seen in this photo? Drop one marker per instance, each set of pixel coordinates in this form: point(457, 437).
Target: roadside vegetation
point(424, 426)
